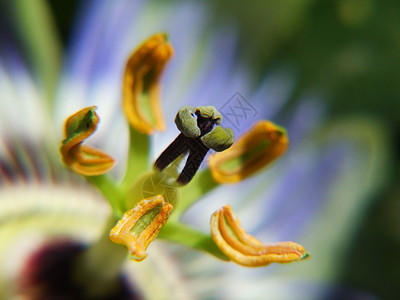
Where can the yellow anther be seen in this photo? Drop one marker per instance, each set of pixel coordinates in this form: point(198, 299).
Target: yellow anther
point(254, 150)
point(82, 159)
point(140, 225)
point(246, 250)
point(141, 88)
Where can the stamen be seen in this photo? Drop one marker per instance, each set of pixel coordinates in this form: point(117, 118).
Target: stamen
point(246, 250)
point(261, 145)
point(141, 86)
point(140, 225)
point(197, 136)
point(82, 159)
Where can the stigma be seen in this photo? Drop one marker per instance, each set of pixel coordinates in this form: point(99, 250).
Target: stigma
point(200, 131)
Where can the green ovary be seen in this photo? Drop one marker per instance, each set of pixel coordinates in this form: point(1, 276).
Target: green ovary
point(152, 184)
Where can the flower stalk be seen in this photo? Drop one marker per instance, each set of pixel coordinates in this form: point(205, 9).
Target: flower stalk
point(98, 268)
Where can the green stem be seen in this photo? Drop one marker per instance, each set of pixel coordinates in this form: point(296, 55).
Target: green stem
point(138, 161)
point(201, 184)
point(110, 191)
point(37, 29)
point(99, 267)
point(188, 236)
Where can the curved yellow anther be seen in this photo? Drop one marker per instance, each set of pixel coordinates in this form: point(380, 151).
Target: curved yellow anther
point(246, 250)
point(262, 144)
point(141, 89)
point(140, 225)
point(82, 159)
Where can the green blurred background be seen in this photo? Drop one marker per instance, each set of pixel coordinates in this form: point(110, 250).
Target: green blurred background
point(348, 51)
